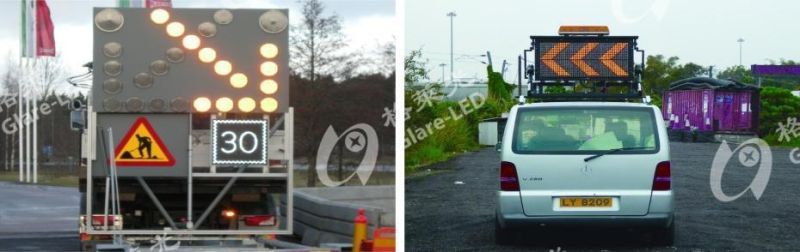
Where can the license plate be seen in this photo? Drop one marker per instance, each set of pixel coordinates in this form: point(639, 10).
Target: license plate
point(585, 201)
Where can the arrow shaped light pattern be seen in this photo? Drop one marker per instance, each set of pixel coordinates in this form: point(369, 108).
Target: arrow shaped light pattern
point(549, 59)
point(223, 67)
point(578, 59)
point(608, 59)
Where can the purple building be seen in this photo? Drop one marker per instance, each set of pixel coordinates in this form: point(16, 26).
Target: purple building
point(713, 106)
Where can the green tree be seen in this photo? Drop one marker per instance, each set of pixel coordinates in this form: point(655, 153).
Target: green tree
point(499, 92)
point(415, 68)
point(660, 72)
point(776, 105)
point(738, 73)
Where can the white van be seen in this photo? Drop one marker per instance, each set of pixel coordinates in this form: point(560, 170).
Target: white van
point(585, 164)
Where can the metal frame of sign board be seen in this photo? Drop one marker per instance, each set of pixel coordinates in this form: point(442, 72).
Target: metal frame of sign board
point(264, 142)
point(631, 40)
point(288, 144)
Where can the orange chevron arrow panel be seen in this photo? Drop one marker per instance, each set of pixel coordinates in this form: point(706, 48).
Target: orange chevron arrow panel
point(608, 59)
point(583, 58)
point(550, 55)
point(578, 57)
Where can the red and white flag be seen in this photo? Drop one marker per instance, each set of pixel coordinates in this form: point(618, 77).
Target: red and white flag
point(37, 37)
point(45, 41)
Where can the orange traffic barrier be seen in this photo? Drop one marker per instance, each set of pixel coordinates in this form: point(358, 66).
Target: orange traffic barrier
point(359, 230)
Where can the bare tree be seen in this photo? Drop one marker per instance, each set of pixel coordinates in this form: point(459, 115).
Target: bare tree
point(316, 51)
point(53, 74)
point(317, 42)
point(49, 74)
point(9, 81)
point(387, 58)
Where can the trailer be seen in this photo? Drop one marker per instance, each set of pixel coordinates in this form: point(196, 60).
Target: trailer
point(189, 136)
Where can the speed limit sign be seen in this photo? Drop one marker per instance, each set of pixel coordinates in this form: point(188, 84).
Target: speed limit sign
point(239, 142)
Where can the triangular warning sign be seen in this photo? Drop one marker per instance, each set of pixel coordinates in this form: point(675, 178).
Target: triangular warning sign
point(142, 146)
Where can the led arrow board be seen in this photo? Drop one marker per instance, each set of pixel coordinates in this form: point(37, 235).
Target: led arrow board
point(583, 58)
point(172, 60)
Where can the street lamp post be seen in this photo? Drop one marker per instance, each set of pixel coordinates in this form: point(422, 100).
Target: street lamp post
point(451, 14)
point(740, 40)
point(442, 65)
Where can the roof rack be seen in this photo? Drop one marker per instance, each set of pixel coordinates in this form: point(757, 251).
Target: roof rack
point(602, 66)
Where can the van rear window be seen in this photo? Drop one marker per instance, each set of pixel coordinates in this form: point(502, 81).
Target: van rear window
point(585, 130)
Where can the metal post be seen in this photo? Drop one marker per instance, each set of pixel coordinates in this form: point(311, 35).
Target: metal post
point(442, 65)
point(23, 43)
point(91, 130)
point(218, 197)
point(451, 15)
point(740, 40)
point(189, 181)
point(35, 117)
point(28, 133)
point(288, 127)
point(115, 204)
point(157, 203)
point(519, 76)
point(105, 203)
point(20, 121)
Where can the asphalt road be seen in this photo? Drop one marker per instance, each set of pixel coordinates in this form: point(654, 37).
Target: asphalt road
point(452, 206)
point(38, 218)
point(34, 208)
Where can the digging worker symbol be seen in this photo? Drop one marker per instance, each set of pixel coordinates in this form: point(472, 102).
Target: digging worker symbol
point(144, 143)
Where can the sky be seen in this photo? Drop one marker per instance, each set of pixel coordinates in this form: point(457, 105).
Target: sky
point(700, 31)
point(365, 23)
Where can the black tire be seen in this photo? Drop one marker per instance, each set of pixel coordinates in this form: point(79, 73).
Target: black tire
point(664, 236)
point(502, 236)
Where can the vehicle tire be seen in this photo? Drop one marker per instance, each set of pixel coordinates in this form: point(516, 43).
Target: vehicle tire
point(502, 236)
point(664, 236)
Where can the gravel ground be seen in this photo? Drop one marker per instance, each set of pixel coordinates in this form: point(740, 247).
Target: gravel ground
point(450, 206)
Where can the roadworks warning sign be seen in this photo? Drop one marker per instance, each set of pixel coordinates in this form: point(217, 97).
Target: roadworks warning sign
point(142, 146)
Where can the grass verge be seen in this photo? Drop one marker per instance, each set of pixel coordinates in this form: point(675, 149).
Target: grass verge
point(43, 179)
point(774, 140)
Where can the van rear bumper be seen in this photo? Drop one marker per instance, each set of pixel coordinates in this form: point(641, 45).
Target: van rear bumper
point(652, 220)
point(511, 215)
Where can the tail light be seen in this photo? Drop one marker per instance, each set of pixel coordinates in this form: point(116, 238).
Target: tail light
point(259, 220)
point(98, 220)
point(228, 214)
point(662, 181)
point(508, 177)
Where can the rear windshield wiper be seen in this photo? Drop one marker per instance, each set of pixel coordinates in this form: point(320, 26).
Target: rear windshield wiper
point(611, 151)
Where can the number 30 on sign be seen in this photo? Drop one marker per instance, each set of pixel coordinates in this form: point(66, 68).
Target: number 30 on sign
point(239, 142)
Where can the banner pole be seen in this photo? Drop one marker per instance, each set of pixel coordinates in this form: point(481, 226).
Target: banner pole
point(23, 43)
point(34, 147)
